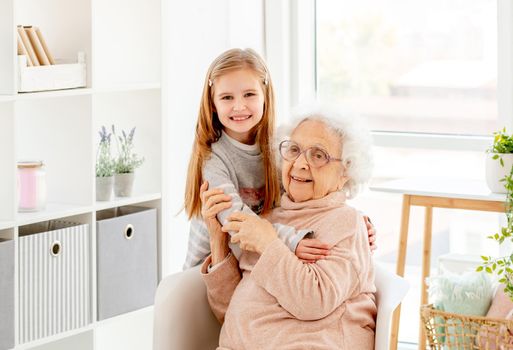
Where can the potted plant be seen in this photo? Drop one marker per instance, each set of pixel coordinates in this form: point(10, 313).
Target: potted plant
point(499, 160)
point(503, 266)
point(104, 167)
point(126, 163)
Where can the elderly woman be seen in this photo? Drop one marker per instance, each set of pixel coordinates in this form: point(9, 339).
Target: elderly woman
point(269, 299)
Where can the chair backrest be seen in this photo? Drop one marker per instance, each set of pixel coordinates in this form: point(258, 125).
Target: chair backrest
point(390, 291)
point(182, 316)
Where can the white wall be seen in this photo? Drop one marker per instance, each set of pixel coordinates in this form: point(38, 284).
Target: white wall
point(194, 33)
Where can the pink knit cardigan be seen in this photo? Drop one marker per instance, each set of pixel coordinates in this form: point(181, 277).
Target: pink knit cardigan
point(274, 301)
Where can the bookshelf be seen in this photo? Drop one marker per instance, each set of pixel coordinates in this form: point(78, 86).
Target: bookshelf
point(122, 46)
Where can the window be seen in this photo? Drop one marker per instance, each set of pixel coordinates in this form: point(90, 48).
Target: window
point(415, 66)
point(420, 72)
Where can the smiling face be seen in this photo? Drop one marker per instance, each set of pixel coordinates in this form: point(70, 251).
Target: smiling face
point(300, 180)
point(239, 103)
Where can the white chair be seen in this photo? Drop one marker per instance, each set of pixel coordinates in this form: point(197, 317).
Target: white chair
point(390, 291)
point(183, 319)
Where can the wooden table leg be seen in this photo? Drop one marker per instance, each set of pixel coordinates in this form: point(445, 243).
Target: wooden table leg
point(426, 265)
point(401, 261)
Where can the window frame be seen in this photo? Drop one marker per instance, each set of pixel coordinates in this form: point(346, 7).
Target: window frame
point(293, 24)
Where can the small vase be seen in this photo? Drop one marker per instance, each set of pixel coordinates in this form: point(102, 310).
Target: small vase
point(104, 187)
point(495, 172)
point(123, 184)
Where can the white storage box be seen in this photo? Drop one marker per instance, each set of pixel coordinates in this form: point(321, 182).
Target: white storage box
point(63, 75)
point(126, 240)
point(54, 279)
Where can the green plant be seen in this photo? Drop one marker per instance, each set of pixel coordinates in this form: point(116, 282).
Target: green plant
point(104, 162)
point(502, 143)
point(127, 161)
point(502, 266)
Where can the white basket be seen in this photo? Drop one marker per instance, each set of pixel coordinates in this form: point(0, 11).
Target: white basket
point(51, 77)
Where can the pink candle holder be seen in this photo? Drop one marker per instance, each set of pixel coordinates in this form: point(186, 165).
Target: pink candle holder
point(31, 186)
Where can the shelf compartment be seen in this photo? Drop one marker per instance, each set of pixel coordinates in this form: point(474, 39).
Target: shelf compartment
point(65, 34)
point(124, 56)
point(57, 132)
point(142, 110)
point(54, 278)
point(126, 239)
point(6, 293)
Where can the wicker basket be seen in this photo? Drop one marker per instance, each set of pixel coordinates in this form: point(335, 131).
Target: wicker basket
point(445, 330)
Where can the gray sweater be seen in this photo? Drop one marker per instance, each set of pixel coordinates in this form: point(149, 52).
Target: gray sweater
point(238, 169)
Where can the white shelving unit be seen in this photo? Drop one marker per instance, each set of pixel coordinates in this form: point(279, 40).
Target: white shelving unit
point(122, 43)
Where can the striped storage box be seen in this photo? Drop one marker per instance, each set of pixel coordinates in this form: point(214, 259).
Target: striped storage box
point(6, 294)
point(54, 279)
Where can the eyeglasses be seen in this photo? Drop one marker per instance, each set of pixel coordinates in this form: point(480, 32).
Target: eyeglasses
point(316, 157)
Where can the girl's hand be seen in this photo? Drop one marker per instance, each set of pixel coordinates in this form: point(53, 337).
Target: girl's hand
point(212, 202)
point(371, 231)
point(251, 232)
point(310, 250)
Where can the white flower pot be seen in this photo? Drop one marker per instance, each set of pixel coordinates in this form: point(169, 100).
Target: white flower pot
point(123, 184)
point(495, 172)
point(104, 187)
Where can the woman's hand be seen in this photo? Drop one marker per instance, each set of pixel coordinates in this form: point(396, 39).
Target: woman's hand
point(251, 232)
point(212, 202)
point(371, 231)
point(310, 250)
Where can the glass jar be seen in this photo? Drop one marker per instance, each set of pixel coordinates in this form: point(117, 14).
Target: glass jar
point(31, 186)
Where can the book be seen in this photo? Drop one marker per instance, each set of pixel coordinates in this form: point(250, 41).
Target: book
point(22, 50)
point(26, 42)
point(45, 47)
point(36, 44)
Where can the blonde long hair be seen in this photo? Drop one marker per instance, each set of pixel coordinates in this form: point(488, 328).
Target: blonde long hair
point(208, 128)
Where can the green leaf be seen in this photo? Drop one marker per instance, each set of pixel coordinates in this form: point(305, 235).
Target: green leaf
point(479, 269)
point(485, 258)
point(488, 269)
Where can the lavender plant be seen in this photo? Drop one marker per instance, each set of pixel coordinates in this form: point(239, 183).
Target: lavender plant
point(127, 161)
point(104, 161)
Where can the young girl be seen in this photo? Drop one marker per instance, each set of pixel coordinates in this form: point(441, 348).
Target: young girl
point(232, 151)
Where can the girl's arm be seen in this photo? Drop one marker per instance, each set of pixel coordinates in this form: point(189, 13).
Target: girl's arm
point(220, 271)
point(219, 176)
point(198, 247)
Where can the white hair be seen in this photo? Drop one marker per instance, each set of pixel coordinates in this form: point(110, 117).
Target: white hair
point(355, 142)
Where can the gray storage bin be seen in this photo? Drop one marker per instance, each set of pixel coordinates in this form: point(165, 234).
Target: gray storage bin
point(6, 294)
point(127, 259)
point(54, 278)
